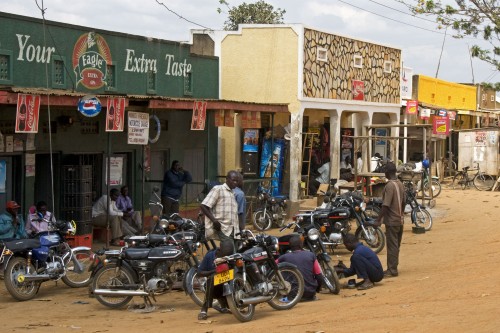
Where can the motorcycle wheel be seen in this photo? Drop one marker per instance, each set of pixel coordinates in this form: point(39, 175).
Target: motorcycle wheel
point(262, 221)
point(421, 218)
point(243, 313)
point(195, 286)
point(287, 295)
point(436, 190)
point(82, 279)
point(377, 240)
point(109, 277)
point(280, 221)
point(332, 282)
point(14, 280)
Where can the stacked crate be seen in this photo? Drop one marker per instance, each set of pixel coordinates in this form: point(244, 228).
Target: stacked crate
point(76, 202)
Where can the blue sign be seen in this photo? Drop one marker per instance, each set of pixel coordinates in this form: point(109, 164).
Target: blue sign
point(89, 106)
point(442, 113)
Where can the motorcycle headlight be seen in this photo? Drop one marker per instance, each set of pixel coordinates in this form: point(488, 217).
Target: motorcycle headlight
point(273, 200)
point(260, 197)
point(363, 206)
point(313, 234)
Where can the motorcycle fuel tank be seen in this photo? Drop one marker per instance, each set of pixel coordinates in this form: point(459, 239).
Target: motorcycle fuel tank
point(339, 213)
point(50, 239)
point(165, 252)
point(186, 235)
point(41, 253)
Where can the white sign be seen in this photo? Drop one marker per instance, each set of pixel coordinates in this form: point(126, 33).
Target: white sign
point(406, 83)
point(116, 171)
point(138, 128)
point(425, 113)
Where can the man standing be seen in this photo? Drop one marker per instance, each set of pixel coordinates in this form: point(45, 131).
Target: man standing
point(11, 224)
point(131, 218)
point(364, 263)
point(171, 191)
point(101, 212)
point(239, 195)
point(221, 210)
point(393, 199)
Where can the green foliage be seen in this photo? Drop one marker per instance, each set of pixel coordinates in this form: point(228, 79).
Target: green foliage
point(259, 12)
point(477, 18)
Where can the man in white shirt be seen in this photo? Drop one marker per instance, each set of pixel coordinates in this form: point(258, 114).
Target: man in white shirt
point(323, 178)
point(359, 162)
point(100, 215)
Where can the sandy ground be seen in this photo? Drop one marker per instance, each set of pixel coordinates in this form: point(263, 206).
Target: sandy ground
point(448, 282)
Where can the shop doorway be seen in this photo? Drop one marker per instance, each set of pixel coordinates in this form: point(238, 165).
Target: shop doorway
point(10, 180)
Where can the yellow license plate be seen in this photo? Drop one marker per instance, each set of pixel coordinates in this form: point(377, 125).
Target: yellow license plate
point(220, 278)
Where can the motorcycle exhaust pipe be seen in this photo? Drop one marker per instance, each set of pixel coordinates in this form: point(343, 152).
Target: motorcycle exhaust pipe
point(255, 300)
point(109, 292)
point(30, 278)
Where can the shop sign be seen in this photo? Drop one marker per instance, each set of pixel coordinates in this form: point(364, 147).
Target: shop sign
point(480, 140)
point(358, 90)
point(89, 106)
point(442, 113)
point(138, 128)
point(115, 114)
point(425, 113)
point(91, 57)
point(28, 109)
point(440, 125)
point(199, 116)
point(411, 107)
point(452, 115)
point(406, 83)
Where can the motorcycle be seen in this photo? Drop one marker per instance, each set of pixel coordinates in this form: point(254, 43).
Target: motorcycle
point(148, 268)
point(272, 210)
point(252, 276)
point(47, 256)
point(312, 242)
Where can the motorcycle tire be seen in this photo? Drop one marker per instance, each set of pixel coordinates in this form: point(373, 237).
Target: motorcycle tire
point(421, 218)
point(378, 241)
point(262, 221)
point(14, 276)
point(290, 294)
point(436, 190)
point(243, 313)
point(82, 279)
point(109, 276)
point(280, 221)
point(332, 281)
point(195, 286)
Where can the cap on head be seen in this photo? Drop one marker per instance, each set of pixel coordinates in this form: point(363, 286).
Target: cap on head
point(12, 205)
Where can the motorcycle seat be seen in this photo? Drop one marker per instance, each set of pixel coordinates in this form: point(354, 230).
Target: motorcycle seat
point(136, 253)
point(23, 244)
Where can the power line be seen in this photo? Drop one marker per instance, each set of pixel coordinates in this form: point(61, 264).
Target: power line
point(182, 17)
point(402, 12)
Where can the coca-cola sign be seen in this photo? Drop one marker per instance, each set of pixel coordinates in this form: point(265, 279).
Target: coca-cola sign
point(28, 109)
point(115, 114)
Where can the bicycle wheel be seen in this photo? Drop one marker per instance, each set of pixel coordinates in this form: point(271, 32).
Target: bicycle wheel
point(458, 179)
point(483, 182)
point(436, 188)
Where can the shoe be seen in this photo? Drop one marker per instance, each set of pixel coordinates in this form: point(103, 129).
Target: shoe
point(388, 274)
point(367, 284)
point(221, 309)
point(202, 315)
point(351, 284)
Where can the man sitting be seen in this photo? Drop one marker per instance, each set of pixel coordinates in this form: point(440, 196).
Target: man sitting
point(132, 223)
point(11, 223)
point(101, 212)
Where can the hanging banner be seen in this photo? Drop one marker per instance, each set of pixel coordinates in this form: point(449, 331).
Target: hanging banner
point(358, 90)
point(199, 116)
point(250, 119)
point(28, 109)
point(115, 114)
point(406, 83)
point(425, 113)
point(138, 128)
point(440, 125)
point(411, 107)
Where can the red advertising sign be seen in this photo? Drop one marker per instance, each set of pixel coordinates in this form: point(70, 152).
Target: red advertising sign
point(28, 109)
point(411, 107)
point(199, 116)
point(115, 114)
point(440, 125)
point(358, 90)
point(250, 119)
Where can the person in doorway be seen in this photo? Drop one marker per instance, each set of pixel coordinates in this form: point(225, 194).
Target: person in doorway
point(364, 263)
point(323, 178)
point(173, 182)
point(239, 195)
point(11, 223)
point(38, 220)
point(221, 210)
point(392, 215)
point(207, 269)
point(346, 164)
point(132, 222)
point(101, 212)
point(307, 264)
point(359, 162)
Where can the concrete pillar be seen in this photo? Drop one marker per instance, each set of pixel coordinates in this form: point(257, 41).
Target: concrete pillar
point(335, 142)
point(295, 159)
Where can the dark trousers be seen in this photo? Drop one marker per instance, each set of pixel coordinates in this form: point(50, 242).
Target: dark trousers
point(365, 269)
point(393, 235)
point(213, 292)
point(170, 206)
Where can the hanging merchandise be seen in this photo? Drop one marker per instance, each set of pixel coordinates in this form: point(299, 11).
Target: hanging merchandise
point(272, 164)
point(28, 108)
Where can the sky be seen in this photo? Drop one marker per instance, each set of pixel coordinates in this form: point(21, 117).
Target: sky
point(386, 22)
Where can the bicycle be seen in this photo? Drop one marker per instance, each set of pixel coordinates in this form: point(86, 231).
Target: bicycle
point(481, 181)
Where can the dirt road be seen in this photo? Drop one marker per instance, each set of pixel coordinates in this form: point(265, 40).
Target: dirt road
point(448, 282)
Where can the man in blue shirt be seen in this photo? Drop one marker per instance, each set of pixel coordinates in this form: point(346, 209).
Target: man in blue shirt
point(11, 224)
point(364, 263)
point(207, 268)
point(132, 222)
point(171, 191)
point(239, 195)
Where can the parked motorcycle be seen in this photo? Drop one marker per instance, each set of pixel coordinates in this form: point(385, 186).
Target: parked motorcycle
point(252, 276)
point(272, 211)
point(47, 256)
point(312, 242)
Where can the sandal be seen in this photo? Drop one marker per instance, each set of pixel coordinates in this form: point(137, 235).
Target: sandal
point(221, 309)
point(202, 315)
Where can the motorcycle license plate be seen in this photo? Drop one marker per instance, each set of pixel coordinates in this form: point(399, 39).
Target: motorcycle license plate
point(223, 277)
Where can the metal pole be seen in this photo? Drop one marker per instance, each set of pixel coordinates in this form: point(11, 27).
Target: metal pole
point(108, 176)
point(143, 187)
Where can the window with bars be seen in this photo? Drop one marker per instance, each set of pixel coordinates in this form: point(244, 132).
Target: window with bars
point(58, 73)
point(151, 84)
point(188, 84)
point(111, 77)
point(5, 67)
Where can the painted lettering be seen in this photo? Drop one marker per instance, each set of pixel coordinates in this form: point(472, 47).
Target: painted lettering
point(31, 52)
point(176, 68)
point(139, 64)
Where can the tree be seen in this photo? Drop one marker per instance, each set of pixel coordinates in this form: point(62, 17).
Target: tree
point(477, 18)
point(259, 12)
